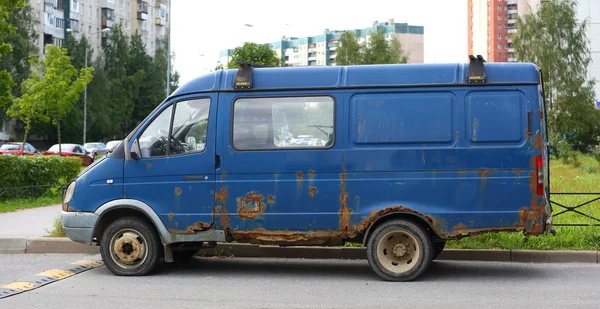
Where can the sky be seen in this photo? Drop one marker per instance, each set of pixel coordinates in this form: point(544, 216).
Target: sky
point(202, 28)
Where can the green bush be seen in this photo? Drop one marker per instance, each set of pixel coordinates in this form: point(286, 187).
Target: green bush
point(22, 171)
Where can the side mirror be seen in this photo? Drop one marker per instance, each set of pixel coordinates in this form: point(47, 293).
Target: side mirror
point(135, 155)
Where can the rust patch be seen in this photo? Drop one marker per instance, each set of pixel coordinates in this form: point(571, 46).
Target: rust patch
point(221, 196)
point(524, 215)
point(312, 191)
point(457, 134)
point(538, 143)
point(171, 216)
point(460, 229)
point(344, 210)
point(540, 113)
point(311, 174)
point(299, 176)
point(196, 227)
point(148, 165)
point(485, 173)
point(270, 199)
point(374, 215)
point(177, 190)
point(263, 236)
point(251, 206)
point(423, 157)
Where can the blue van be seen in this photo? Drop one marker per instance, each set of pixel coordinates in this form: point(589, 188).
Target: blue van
point(400, 158)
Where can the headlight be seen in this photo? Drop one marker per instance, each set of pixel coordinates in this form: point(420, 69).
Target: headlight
point(69, 193)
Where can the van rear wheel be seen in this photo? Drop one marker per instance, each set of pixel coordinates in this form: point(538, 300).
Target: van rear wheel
point(130, 247)
point(399, 250)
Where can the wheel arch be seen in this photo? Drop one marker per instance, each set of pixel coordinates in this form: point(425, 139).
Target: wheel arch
point(413, 217)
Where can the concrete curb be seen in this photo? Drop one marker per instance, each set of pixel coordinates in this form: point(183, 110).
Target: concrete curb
point(64, 245)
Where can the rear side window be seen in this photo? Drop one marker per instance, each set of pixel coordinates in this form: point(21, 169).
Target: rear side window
point(402, 118)
point(283, 123)
point(495, 117)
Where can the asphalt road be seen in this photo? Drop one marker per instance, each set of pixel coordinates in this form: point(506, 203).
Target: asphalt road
point(281, 283)
point(29, 222)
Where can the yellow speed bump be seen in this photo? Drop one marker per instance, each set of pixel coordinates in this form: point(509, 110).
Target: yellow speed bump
point(88, 263)
point(19, 286)
point(56, 274)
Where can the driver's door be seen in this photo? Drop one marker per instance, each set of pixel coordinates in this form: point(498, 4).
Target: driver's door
point(176, 179)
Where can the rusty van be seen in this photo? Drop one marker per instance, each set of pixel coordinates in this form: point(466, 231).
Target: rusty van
point(400, 158)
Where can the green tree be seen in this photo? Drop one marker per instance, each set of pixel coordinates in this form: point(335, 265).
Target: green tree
point(56, 84)
point(29, 107)
point(123, 87)
point(6, 29)
point(377, 50)
point(556, 41)
point(348, 49)
point(255, 53)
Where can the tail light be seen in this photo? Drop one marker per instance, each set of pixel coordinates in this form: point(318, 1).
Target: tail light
point(539, 165)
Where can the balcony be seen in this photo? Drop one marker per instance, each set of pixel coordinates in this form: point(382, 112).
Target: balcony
point(53, 3)
point(142, 16)
point(142, 7)
point(512, 30)
point(512, 11)
point(160, 21)
point(106, 23)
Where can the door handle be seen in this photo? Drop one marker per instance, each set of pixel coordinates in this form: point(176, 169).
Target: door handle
point(217, 162)
point(194, 177)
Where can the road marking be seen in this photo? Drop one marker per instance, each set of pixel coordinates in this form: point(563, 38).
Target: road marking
point(47, 277)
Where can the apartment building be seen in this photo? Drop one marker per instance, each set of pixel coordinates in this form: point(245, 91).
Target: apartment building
point(493, 22)
point(321, 49)
point(89, 17)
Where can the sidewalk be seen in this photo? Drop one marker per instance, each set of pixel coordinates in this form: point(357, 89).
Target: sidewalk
point(29, 222)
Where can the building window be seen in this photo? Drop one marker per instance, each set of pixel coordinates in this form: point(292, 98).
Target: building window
point(75, 6)
point(90, 11)
point(499, 17)
point(499, 56)
point(500, 36)
point(121, 4)
point(489, 46)
point(295, 122)
point(499, 46)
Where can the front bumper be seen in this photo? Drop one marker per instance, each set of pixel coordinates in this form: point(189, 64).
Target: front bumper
point(79, 226)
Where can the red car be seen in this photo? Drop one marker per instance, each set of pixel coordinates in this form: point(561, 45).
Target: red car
point(11, 148)
point(71, 150)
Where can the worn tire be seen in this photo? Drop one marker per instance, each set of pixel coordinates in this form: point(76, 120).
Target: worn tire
point(407, 236)
point(127, 239)
point(438, 247)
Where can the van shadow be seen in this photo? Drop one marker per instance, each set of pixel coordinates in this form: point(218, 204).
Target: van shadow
point(439, 271)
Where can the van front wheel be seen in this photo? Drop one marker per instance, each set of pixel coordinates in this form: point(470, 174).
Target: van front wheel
point(399, 250)
point(130, 247)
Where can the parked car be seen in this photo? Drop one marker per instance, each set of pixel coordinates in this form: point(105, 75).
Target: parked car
point(112, 144)
point(13, 148)
point(71, 150)
point(413, 155)
point(95, 149)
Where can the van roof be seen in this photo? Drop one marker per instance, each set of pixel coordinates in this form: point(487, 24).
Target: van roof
point(368, 76)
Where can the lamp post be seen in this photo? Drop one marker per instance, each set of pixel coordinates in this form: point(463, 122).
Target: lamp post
point(105, 30)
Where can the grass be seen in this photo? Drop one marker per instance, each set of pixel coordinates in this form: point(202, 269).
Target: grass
point(58, 230)
point(13, 205)
point(580, 177)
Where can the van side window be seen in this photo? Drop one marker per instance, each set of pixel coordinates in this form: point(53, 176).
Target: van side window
point(153, 142)
point(283, 123)
point(190, 125)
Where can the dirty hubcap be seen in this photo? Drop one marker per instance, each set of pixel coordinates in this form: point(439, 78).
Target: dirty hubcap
point(128, 248)
point(398, 251)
